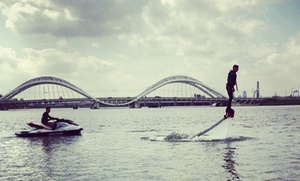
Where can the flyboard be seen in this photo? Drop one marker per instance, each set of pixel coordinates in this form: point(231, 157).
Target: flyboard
point(229, 114)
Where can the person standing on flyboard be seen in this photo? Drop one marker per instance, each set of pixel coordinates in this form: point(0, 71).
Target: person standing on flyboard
point(231, 82)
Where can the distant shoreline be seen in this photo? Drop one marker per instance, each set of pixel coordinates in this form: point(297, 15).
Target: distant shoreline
point(277, 101)
point(272, 101)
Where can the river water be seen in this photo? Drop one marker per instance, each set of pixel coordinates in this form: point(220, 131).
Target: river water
point(260, 143)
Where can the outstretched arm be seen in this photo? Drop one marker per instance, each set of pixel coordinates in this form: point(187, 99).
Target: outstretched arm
point(51, 118)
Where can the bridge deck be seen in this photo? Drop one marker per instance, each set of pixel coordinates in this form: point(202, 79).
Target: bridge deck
point(142, 102)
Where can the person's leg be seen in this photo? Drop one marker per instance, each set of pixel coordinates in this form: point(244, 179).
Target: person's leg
point(230, 95)
point(51, 125)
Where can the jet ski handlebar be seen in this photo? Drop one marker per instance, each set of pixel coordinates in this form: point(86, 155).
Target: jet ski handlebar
point(66, 121)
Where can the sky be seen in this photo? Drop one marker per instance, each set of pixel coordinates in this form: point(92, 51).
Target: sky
point(121, 47)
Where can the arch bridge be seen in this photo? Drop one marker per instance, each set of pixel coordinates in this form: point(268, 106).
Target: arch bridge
point(132, 102)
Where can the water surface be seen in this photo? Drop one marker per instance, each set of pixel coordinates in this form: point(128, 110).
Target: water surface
point(260, 143)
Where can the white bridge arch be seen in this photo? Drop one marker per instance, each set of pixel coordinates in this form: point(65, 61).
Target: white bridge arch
point(169, 80)
point(44, 80)
point(185, 80)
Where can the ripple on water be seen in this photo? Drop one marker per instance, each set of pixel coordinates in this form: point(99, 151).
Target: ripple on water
point(177, 137)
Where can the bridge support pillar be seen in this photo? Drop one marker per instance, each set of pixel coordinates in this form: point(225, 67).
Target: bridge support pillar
point(96, 105)
point(135, 104)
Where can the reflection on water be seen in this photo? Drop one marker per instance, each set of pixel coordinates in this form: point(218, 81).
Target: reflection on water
point(50, 153)
point(228, 157)
point(229, 165)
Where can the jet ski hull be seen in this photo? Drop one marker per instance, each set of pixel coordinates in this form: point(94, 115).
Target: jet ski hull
point(41, 133)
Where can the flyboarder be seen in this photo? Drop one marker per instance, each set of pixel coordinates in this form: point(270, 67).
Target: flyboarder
point(231, 82)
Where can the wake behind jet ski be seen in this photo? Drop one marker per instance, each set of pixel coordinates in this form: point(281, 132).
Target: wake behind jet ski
point(63, 127)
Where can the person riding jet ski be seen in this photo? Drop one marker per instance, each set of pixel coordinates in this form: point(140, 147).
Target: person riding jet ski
point(46, 118)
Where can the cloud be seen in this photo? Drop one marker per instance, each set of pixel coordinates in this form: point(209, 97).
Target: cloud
point(72, 66)
point(108, 44)
point(10, 70)
point(61, 43)
point(95, 45)
point(56, 62)
point(293, 45)
point(71, 18)
point(107, 17)
point(8, 56)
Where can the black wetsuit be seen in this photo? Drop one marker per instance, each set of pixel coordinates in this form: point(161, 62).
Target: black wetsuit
point(46, 118)
point(231, 82)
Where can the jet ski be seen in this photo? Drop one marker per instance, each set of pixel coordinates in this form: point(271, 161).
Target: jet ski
point(63, 127)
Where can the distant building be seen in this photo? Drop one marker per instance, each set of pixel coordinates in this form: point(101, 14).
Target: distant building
point(244, 94)
point(199, 96)
point(257, 89)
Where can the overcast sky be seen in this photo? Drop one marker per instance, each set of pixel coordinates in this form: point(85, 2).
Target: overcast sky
point(121, 47)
